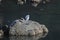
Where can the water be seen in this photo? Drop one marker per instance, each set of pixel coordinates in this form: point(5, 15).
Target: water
point(21, 37)
point(50, 36)
point(48, 14)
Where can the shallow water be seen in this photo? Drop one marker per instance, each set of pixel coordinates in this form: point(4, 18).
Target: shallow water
point(37, 37)
point(50, 36)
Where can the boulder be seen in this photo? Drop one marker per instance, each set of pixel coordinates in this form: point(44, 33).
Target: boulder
point(22, 27)
point(1, 33)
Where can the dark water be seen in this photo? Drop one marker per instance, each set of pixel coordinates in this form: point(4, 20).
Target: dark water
point(37, 37)
point(48, 14)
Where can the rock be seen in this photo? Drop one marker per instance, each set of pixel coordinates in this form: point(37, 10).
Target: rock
point(21, 27)
point(21, 2)
point(34, 3)
point(5, 29)
point(1, 33)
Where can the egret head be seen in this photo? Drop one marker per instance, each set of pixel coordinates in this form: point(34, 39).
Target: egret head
point(27, 17)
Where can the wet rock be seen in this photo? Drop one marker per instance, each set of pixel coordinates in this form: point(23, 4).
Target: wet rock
point(1, 33)
point(35, 2)
point(22, 27)
point(5, 29)
point(21, 2)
